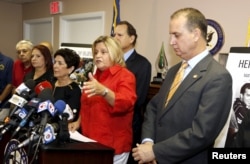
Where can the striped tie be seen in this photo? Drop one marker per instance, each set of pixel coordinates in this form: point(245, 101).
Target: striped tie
point(177, 81)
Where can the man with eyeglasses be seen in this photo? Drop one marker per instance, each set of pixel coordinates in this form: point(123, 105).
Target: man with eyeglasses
point(23, 64)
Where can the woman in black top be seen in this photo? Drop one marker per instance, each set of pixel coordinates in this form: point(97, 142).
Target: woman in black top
point(42, 63)
point(66, 61)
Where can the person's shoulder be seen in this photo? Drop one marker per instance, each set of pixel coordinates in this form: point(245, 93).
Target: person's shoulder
point(219, 67)
point(126, 71)
point(50, 72)
point(29, 74)
point(17, 62)
point(141, 57)
point(75, 85)
point(217, 70)
point(5, 58)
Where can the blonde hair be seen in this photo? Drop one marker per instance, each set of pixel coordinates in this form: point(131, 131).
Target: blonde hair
point(114, 48)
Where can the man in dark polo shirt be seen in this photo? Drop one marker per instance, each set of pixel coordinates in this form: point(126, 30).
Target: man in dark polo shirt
point(6, 65)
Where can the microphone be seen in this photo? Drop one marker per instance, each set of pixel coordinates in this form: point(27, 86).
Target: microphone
point(20, 112)
point(13, 121)
point(32, 138)
point(64, 135)
point(60, 105)
point(49, 136)
point(22, 96)
point(32, 105)
point(17, 101)
point(41, 86)
point(49, 133)
point(26, 86)
point(64, 113)
point(68, 113)
point(46, 108)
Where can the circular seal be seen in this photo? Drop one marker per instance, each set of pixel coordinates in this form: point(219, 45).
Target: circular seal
point(215, 36)
point(11, 155)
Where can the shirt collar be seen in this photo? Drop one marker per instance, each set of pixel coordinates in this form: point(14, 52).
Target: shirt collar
point(128, 54)
point(192, 62)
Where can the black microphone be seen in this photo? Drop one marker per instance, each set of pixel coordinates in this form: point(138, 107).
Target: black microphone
point(32, 106)
point(63, 135)
point(21, 94)
point(17, 101)
point(64, 113)
point(12, 122)
point(1, 125)
point(26, 86)
point(46, 108)
point(48, 136)
point(33, 137)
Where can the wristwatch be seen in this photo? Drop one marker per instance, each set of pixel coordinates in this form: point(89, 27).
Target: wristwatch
point(105, 92)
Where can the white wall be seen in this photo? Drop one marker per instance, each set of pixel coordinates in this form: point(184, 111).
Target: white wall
point(151, 18)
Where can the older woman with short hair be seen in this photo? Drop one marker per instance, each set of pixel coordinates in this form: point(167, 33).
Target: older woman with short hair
point(66, 61)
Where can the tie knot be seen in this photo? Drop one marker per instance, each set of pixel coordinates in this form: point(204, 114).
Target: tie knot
point(184, 65)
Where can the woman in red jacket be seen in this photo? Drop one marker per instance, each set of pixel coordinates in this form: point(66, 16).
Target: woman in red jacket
point(108, 99)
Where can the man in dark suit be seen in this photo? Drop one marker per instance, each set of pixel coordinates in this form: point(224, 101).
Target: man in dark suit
point(183, 130)
point(126, 34)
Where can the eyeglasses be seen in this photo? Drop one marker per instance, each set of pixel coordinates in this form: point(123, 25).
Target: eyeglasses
point(22, 51)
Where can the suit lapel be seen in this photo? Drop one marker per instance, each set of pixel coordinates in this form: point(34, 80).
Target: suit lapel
point(131, 58)
point(197, 73)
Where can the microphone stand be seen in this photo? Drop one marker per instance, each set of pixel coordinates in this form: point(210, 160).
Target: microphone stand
point(31, 143)
point(63, 136)
point(35, 156)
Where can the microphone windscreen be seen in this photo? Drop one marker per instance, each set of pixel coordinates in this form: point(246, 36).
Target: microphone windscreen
point(41, 86)
point(34, 102)
point(25, 86)
point(30, 84)
point(60, 106)
point(46, 94)
point(25, 94)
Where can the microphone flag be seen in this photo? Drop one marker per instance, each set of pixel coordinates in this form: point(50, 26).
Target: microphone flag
point(47, 105)
point(49, 134)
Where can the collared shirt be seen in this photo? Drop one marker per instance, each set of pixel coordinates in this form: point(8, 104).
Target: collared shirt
point(192, 62)
point(127, 54)
point(19, 71)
